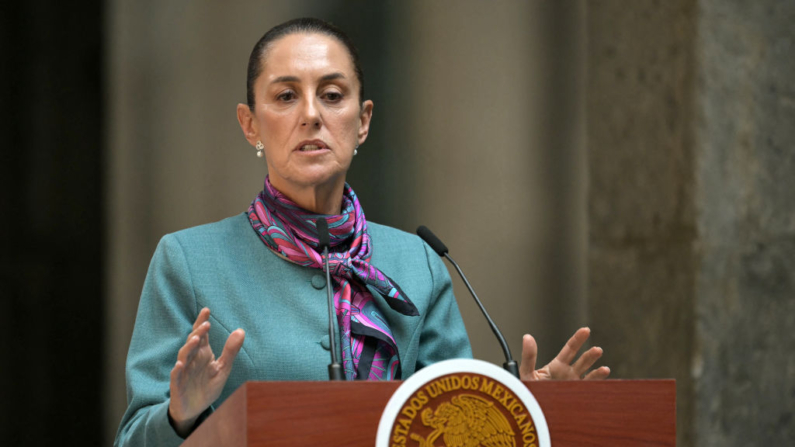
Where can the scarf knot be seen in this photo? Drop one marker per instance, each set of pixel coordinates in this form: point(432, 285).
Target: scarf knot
point(369, 350)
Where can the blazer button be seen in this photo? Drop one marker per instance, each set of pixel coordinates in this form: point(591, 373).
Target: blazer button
point(324, 343)
point(318, 282)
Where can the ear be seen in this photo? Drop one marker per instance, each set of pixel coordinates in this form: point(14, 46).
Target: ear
point(364, 120)
point(248, 124)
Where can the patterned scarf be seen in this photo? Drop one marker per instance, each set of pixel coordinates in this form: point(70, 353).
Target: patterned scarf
point(368, 349)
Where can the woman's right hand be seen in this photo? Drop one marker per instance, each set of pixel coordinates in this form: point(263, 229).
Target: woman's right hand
point(198, 378)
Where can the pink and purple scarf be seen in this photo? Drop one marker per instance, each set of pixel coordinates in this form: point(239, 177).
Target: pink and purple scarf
point(369, 351)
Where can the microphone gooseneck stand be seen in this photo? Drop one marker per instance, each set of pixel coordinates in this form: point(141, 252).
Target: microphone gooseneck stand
point(427, 235)
point(334, 369)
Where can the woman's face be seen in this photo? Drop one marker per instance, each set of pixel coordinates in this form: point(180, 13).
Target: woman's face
point(307, 112)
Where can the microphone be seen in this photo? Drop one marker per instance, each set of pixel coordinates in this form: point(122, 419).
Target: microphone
point(426, 235)
point(334, 369)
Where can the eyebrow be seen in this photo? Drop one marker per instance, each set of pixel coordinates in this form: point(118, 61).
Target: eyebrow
point(324, 78)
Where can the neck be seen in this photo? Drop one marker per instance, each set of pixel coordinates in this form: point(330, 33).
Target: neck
point(319, 199)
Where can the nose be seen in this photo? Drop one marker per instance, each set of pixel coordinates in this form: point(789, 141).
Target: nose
point(311, 114)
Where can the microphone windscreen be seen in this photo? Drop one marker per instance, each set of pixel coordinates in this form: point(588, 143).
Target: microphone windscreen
point(427, 235)
point(322, 233)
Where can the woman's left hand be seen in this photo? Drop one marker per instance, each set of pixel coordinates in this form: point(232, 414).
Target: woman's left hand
point(562, 368)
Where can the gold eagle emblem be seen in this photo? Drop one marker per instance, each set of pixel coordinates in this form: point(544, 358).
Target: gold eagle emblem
point(466, 421)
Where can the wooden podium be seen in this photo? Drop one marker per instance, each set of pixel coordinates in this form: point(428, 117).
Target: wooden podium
point(578, 413)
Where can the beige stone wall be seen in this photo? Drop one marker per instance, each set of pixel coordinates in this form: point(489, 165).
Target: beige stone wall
point(642, 263)
point(495, 171)
point(744, 368)
point(691, 229)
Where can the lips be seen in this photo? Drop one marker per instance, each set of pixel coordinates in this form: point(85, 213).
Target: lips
point(311, 146)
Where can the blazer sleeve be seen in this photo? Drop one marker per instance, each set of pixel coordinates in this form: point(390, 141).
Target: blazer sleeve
point(443, 334)
point(165, 317)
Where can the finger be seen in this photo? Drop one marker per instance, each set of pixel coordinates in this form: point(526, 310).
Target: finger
point(176, 375)
point(204, 315)
point(567, 354)
point(598, 373)
point(199, 331)
point(204, 335)
point(231, 348)
point(587, 360)
point(204, 353)
point(529, 356)
point(176, 386)
point(199, 341)
point(190, 360)
point(190, 345)
point(187, 350)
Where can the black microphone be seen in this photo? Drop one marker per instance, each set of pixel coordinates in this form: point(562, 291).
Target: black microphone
point(426, 235)
point(334, 369)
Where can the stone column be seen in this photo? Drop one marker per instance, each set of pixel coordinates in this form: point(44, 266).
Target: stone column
point(692, 235)
point(744, 367)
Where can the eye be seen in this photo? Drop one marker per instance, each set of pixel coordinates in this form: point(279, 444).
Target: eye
point(333, 97)
point(286, 96)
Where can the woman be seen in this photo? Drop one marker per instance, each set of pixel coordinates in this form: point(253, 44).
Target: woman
point(261, 271)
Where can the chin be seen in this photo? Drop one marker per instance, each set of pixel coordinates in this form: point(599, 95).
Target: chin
point(315, 179)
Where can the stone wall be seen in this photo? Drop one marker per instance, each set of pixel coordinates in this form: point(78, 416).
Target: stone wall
point(641, 209)
point(744, 370)
point(692, 225)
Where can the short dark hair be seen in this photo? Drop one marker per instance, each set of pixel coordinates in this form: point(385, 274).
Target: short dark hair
point(306, 25)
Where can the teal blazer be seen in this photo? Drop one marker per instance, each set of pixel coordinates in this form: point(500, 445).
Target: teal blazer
point(281, 306)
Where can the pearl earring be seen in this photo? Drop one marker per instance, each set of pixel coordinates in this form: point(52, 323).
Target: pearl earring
point(260, 149)
point(355, 151)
